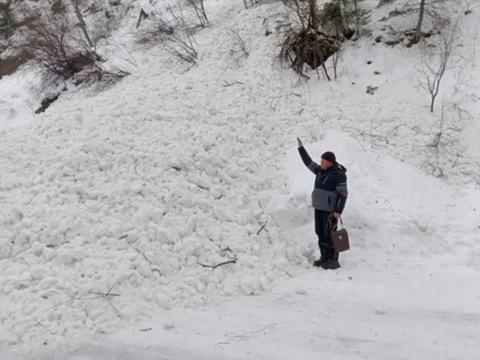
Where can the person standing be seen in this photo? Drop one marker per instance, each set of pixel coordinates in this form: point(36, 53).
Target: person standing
point(329, 197)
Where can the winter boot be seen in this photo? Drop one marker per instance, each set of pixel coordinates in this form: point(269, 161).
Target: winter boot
point(323, 256)
point(330, 265)
point(332, 259)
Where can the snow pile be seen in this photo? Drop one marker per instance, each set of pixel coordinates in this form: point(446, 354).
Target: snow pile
point(133, 205)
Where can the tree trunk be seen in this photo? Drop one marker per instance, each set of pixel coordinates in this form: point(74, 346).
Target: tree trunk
point(357, 18)
point(79, 15)
point(313, 23)
point(418, 29)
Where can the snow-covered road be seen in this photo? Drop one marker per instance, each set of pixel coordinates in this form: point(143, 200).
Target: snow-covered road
point(422, 314)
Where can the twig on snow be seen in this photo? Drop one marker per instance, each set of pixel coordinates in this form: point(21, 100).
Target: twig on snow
point(107, 294)
point(249, 334)
point(145, 330)
point(149, 262)
point(44, 327)
point(263, 227)
point(217, 265)
point(226, 84)
point(103, 294)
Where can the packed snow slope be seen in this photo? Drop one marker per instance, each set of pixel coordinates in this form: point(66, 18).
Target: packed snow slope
point(405, 291)
point(113, 203)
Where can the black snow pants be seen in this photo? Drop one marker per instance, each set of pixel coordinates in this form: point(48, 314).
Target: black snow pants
point(324, 223)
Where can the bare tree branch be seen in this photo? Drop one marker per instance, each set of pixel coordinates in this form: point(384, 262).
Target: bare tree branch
point(436, 61)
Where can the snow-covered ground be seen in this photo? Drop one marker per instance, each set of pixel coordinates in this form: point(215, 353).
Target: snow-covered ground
point(112, 202)
point(336, 315)
point(16, 105)
point(405, 291)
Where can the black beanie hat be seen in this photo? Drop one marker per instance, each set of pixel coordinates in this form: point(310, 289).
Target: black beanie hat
point(329, 156)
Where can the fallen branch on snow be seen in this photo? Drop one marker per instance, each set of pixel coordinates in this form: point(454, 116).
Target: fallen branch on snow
point(217, 265)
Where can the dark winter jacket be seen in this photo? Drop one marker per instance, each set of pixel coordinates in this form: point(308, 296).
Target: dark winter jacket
point(330, 191)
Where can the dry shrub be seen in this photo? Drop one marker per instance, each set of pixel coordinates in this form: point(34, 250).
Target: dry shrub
point(54, 44)
point(155, 30)
point(307, 44)
point(182, 46)
point(175, 34)
point(305, 47)
point(51, 44)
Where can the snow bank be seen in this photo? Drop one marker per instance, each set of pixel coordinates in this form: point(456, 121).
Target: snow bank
point(133, 205)
point(112, 204)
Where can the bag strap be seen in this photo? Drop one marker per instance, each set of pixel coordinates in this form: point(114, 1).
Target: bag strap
point(330, 222)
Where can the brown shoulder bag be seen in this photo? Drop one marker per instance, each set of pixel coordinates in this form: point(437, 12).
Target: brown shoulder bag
point(340, 238)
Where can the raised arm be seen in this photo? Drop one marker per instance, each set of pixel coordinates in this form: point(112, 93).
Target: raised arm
point(307, 160)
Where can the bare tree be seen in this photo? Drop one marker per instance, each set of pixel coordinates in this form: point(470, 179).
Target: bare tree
point(445, 146)
point(49, 42)
point(436, 61)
